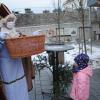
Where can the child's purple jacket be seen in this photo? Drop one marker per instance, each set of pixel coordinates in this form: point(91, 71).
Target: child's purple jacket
point(81, 84)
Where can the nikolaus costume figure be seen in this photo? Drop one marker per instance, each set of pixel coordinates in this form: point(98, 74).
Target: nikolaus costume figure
point(11, 70)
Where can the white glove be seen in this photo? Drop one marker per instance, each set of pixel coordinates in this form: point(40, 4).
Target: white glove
point(3, 35)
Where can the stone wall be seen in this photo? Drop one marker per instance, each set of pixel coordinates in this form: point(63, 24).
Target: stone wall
point(31, 19)
point(30, 22)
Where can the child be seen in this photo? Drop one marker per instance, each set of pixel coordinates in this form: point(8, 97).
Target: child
point(81, 78)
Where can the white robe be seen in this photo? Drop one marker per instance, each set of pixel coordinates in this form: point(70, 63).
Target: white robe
point(12, 69)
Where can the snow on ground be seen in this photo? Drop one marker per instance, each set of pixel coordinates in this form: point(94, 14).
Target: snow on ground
point(94, 56)
point(69, 55)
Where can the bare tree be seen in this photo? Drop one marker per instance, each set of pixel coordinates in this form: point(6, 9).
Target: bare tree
point(59, 15)
point(79, 5)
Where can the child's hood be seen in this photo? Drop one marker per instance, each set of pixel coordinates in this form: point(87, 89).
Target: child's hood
point(87, 71)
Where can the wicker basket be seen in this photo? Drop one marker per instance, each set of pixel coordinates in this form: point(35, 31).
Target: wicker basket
point(25, 46)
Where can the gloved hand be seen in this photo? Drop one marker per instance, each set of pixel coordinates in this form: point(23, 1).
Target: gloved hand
point(3, 35)
point(75, 69)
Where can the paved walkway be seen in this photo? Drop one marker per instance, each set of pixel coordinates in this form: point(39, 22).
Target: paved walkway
point(95, 85)
point(44, 84)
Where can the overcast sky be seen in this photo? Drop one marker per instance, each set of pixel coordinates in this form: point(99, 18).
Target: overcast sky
point(20, 4)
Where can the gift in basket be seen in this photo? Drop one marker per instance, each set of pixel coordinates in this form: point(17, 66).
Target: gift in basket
point(25, 46)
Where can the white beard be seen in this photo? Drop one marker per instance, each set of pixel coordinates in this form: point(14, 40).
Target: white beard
point(11, 33)
point(10, 25)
